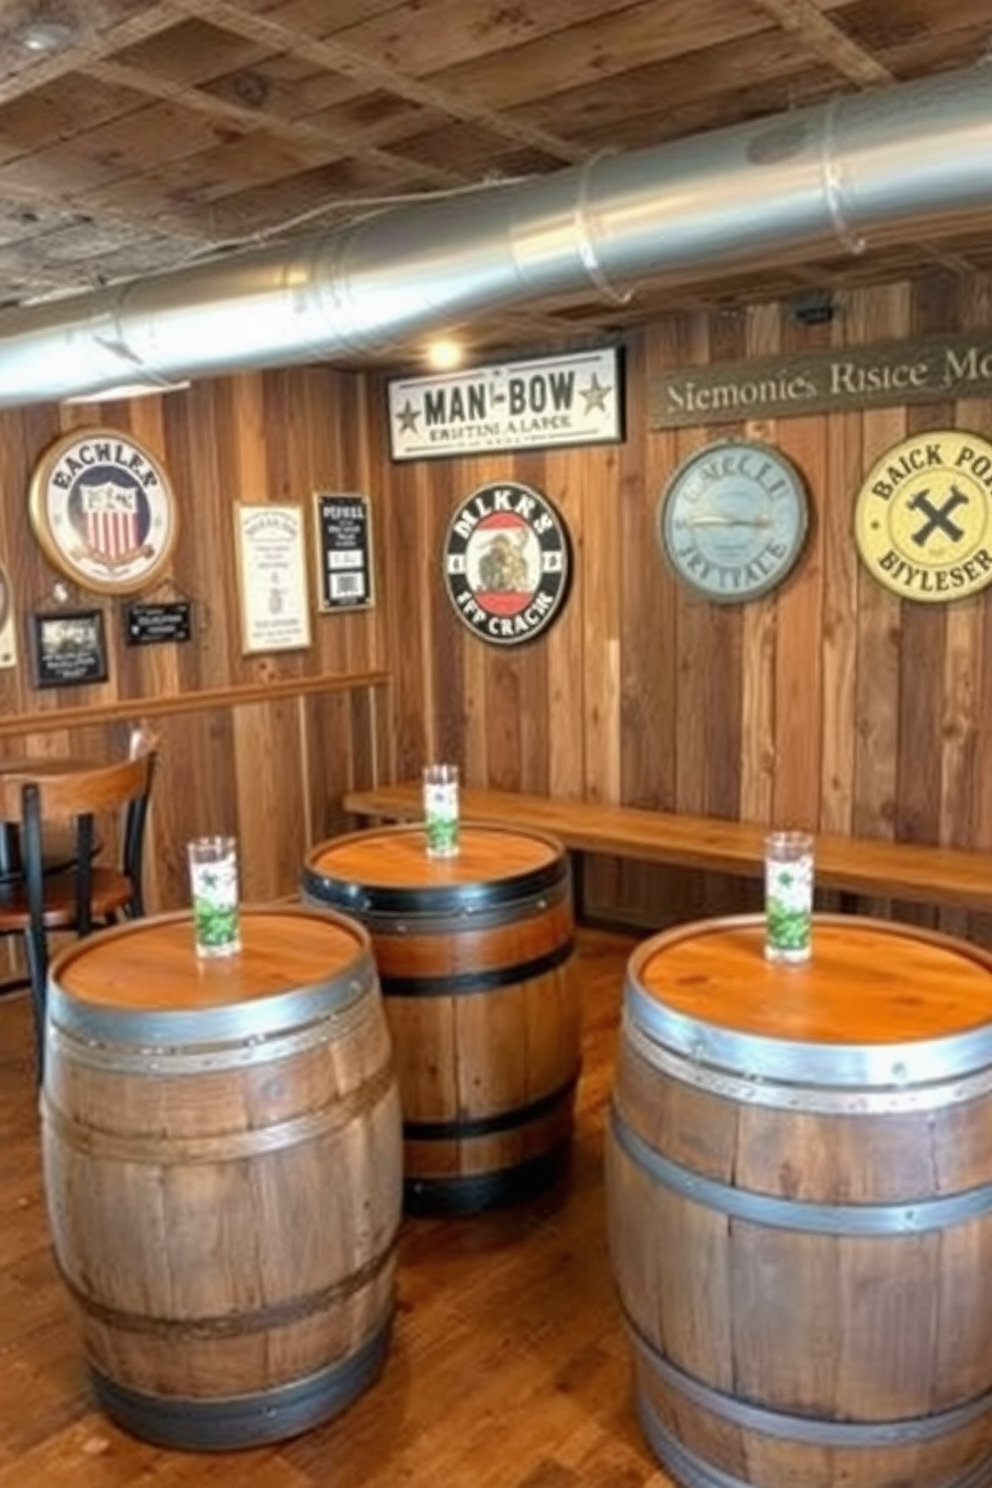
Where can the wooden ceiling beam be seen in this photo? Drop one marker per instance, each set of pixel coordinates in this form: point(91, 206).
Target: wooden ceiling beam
point(825, 39)
point(372, 74)
point(332, 146)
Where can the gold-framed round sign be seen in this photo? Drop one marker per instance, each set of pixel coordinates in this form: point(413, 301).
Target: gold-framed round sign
point(923, 516)
point(6, 600)
point(8, 634)
point(103, 511)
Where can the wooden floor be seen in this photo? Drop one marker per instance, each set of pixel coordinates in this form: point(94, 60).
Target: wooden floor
point(508, 1366)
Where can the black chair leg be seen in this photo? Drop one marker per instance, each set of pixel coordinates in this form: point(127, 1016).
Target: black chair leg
point(37, 958)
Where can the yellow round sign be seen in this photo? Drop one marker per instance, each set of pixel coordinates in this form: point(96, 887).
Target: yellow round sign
point(923, 517)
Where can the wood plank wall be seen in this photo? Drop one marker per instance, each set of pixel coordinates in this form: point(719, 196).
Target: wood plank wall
point(829, 703)
point(249, 745)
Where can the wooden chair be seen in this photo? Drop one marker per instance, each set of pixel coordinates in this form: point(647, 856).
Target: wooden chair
point(103, 883)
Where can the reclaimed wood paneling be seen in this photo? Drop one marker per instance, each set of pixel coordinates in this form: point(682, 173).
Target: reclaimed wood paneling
point(259, 745)
point(829, 702)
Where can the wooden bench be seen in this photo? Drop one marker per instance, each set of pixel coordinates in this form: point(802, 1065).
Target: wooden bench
point(853, 866)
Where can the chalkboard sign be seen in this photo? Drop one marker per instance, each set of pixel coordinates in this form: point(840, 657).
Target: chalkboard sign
point(153, 624)
point(344, 551)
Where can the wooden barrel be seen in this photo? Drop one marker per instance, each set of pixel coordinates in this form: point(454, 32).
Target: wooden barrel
point(474, 955)
point(799, 1197)
point(223, 1172)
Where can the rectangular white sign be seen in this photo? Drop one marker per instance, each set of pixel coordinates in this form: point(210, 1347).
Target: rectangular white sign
point(541, 402)
point(275, 605)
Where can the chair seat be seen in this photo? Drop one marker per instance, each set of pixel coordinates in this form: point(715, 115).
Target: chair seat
point(110, 892)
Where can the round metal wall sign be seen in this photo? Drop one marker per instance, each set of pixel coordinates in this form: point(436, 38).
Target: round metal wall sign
point(506, 563)
point(103, 511)
point(732, 520)
point(923, 516)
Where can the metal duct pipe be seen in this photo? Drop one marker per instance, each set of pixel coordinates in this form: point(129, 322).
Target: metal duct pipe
point(912, 159)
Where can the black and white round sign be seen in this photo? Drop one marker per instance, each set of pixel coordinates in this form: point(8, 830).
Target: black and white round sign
point(507, 563)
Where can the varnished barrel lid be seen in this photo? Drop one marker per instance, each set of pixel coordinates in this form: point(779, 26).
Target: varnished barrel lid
point(143, 979)
point(878, 1002)
point(386, 869)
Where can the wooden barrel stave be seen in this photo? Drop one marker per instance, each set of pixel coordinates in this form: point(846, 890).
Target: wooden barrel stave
point(797, 1264)
point(482, 1002)
point(258, 1183)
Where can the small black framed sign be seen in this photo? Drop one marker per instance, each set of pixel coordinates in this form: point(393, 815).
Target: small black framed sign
point(154, 624)
point(68, 647)
point(343, 524)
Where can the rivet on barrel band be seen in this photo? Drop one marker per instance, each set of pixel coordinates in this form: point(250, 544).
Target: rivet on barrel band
point(814, 1430)
point(828, 1064)
point(750, 1089)
point(144, 1058)
point(197, 1026)
point(412, 911)
point(506, 897)
point(797, 1214)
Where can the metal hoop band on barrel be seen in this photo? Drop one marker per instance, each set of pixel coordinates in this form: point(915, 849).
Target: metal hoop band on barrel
point(814, 1430)
point(693, 1472)
point(798, 1214)
point(226, 1425)
point(431, 905)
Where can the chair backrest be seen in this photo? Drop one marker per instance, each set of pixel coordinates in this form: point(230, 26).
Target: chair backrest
point(143, 739)
point(77, 797)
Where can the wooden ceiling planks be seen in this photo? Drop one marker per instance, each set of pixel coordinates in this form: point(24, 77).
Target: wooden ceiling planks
point(602, 51)
point(180, 126)
point(477, 32)
point(818, 33)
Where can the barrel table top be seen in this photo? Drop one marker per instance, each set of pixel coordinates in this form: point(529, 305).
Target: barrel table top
point(877, 1004)
point(867, 981)
point(151, 965)
point(396, 857)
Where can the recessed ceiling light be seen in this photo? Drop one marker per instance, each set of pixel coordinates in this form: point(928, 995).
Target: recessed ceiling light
point(46, 36)
point(443, 355)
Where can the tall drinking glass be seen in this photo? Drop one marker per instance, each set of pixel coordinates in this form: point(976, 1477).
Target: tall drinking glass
point(213, 876)
point(788, 896)
point(441, 810)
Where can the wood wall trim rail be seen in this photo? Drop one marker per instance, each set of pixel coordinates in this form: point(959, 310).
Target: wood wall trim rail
point(127, 709)
point(955, 877)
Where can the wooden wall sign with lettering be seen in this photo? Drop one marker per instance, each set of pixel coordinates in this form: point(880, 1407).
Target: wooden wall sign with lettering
point(929, 369)
point(540, 403)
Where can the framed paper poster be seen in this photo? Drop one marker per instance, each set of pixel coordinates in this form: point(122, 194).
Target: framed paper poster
point(272, 579)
